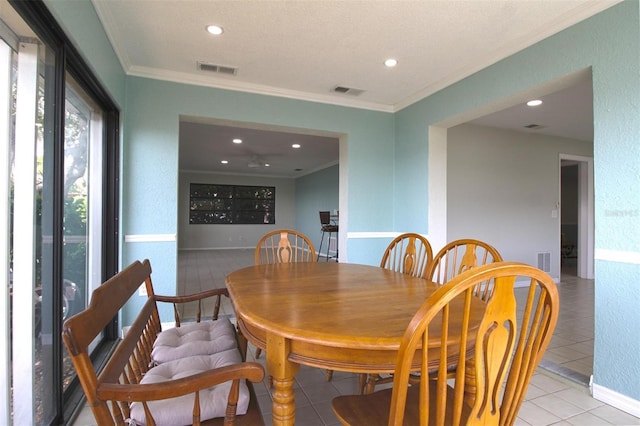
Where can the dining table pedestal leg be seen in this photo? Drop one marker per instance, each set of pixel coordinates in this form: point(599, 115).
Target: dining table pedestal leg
point(283, 373)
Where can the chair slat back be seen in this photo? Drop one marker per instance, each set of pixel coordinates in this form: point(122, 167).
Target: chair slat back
point(459, 256)
point(505, 347)
point(408, 253)
point(284, 246)
point(81, 329)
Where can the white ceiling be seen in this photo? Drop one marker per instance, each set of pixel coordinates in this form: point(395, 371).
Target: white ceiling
point(304, 49)
point(204, 144)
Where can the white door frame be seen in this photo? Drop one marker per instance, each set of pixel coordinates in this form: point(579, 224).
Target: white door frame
point(585, 213)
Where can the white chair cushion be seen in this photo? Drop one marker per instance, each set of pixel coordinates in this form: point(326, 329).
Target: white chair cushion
point(195, 338)
point(179, 411)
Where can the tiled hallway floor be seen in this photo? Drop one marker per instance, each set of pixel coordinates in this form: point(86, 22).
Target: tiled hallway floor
point(571, 350)
point(551, 399)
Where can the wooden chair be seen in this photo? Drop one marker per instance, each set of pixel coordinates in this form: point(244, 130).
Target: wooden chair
point(453, 259)
point(459, 256)
point(283, 246)
point(408, 253)
point(507, 346)
point(135, 386)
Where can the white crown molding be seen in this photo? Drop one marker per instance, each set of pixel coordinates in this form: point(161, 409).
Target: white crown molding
point(108, 22)
point(208, 81)
point(251, 175)
point(582, 11)
point(319, 168)
point(274, 176)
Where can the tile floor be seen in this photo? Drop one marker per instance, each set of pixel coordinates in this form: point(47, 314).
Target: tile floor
point(558, 393)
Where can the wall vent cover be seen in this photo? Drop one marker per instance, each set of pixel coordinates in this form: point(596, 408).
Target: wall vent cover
point(544, 261)
point(348, 90)
point(221, 69)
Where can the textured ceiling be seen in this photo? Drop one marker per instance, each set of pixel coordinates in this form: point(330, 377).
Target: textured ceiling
point(304, 49)
point(204, 144)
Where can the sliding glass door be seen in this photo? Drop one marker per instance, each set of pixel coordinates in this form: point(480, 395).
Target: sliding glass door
point(82, 194)
point(58, 206)
point(31, 266)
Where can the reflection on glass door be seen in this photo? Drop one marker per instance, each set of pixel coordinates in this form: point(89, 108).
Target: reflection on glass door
point(82, 204)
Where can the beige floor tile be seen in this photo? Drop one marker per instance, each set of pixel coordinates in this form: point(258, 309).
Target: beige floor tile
point(579, 398)
point(615, 416)
point(588, 419)
point(535, 415)
point(557, 406)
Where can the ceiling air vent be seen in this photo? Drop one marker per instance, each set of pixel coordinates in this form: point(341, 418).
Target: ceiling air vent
point(221, 69)
point(533, 126)
point(348, 90)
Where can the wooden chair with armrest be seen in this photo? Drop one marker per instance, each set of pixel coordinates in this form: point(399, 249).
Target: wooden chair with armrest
point(200, 384)
point(506, 347)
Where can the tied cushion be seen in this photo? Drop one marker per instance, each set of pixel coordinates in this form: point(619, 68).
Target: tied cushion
point(196, 338)
point(179, 411)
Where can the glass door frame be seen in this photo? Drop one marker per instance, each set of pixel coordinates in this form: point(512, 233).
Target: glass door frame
point(68, 59)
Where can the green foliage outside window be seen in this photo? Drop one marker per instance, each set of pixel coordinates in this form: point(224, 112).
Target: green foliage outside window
point(231, 204)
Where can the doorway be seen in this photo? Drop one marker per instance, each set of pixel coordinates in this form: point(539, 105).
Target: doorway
point(302, 165)
point(576, 232)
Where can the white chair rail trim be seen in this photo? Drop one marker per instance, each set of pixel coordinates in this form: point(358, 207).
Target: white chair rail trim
point(149, 238)
point(620, 256)
point(363, 235)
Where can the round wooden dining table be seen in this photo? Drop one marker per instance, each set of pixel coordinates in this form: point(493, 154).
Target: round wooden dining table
point(336, 316)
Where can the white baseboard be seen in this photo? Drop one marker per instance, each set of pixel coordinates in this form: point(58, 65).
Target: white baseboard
point(617, 400)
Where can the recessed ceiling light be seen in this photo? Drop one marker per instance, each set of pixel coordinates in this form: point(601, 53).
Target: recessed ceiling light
point(237, 140)
point(267, 164)
point(295, 145)
point(534, 102)
point(390, 63)
point(215, 29)
point(224, 162)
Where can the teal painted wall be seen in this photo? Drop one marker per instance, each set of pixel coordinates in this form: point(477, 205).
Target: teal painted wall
point(609, 44)
point(315, 192)
point(387, 155)
point(150, 156)
point(81, 24)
